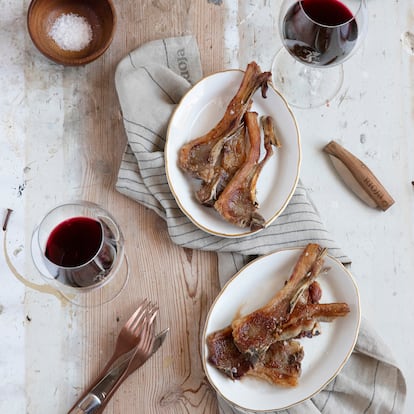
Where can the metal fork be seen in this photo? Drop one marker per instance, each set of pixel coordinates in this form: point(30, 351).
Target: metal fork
point(96, 401)
point(141, 354)
point(129, 335)
point(128, 338)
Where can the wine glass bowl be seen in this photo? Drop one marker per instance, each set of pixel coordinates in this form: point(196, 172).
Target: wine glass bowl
point(78, 248)
point(80, 244)
point(317, 37)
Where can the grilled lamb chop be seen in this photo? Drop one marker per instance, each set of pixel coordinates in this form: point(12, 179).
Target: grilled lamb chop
point(199, 156)
point(254, 333)
point(268, 125)
point(233, 155)
point(237, 203)
point(304, 320)
point(294, 312)
point(281, 364)
point(224, 355)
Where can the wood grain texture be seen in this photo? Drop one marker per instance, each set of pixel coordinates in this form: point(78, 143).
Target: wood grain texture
point(184, 283)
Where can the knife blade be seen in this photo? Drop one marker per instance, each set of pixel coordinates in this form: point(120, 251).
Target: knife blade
point(94, 399)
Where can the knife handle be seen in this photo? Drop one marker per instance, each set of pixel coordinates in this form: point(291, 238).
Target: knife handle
point(88, 405)
point(102, 407)
point(362, 174)
point(133, 365)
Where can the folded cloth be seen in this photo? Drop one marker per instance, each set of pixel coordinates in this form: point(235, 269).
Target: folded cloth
point(150, 82)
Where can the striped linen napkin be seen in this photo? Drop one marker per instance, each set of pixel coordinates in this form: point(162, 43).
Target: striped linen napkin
point(150, 82)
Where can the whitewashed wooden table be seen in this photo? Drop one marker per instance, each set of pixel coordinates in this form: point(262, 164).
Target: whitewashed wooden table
point(61, 137)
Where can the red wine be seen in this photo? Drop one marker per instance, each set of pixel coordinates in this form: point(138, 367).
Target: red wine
point(74, 242)
point(320, 32)
point(327, 12)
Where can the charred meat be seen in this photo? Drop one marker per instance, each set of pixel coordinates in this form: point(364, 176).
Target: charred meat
point(199, 156)
point(237, 203)
point(281, 364)
point(233, 155)
point(264, 343)
point(254, 333)
point(224, 355)
point(304, 320)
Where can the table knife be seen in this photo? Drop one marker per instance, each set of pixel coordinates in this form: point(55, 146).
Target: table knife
point(94, 399)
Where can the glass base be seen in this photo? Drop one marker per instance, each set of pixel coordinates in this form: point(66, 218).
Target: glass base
point(102, 295)
point(24, 259)
point(304, 86)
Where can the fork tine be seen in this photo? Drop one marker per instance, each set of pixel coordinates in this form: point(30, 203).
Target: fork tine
point(144, 328)
point(153, 316)
point(149, 312)
point(147, 336)
point(136, 315)
point(153, 313)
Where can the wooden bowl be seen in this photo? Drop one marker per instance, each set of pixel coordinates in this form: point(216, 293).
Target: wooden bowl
point(100, 15)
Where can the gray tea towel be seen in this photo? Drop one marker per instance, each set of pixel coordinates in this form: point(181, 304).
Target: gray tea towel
point(150, 82)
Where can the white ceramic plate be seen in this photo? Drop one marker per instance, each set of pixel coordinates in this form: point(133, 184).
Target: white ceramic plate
point(325, 355)
point(198, 112)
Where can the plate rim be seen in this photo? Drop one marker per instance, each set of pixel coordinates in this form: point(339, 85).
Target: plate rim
point(328, 380)
point(167, 161)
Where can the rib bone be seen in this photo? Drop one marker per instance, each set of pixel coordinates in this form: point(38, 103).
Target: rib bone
point(237, 203)
point(254, 333)
point(196, 157)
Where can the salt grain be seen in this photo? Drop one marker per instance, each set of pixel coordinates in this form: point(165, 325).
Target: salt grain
point(71, 32)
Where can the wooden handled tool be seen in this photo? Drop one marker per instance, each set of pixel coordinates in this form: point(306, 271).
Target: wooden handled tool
point(359, 177)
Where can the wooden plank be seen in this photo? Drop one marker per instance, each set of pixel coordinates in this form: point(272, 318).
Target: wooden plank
point(183, 282)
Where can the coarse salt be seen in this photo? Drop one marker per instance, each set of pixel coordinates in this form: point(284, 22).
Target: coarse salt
point(71, 32)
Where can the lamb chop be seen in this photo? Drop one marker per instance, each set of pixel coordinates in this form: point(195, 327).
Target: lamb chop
point(233, 155)
point(199, 156)
point(281, 363)
point(304, 320)
point(224, 355)
point(268, 125)
point(237, 203)
point(294, 312)
point(254, 333)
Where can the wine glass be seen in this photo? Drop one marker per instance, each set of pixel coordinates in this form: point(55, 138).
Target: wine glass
point(317, 36)
point(78, 248)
